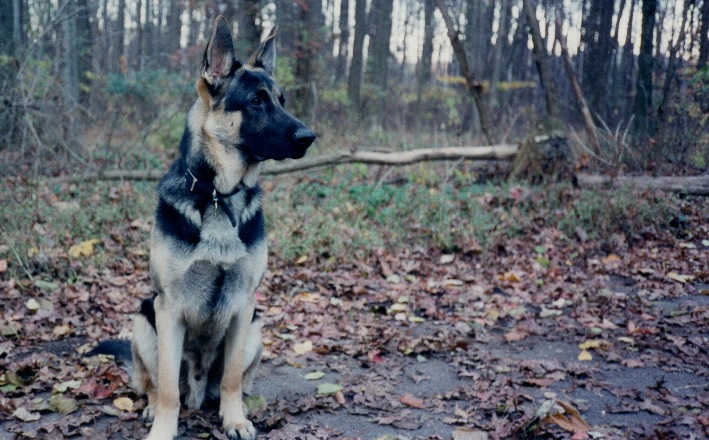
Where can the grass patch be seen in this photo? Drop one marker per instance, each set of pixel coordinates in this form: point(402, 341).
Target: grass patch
point(342, 213)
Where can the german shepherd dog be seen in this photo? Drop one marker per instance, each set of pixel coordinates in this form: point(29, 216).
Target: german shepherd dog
point(198, 337)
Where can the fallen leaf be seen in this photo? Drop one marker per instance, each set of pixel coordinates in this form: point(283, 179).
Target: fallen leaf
point(679, 278)
point(3, 265)
point(585, 356)
point(593, 343)
point(409, 399)
point(67, 385)
point(83, 249)
point(124, 404)
point(62, 329)
point(303, 347)
point(32, 304)
point(516, 334)
point(469, 434)
point(315, 375)
point(302, 259)
point(447, 258)
point(63, 405)
point(329, 388)
point(254, 403)
point(23, 414)
point(569, 419)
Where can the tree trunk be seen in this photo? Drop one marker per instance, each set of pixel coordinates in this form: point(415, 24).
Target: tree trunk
point(423, 72)
point(309, 44)
point(644, 124)
point(173, 33)
point(671, 67)
point(628, 64)
point(600, 49)
point(704, 35)
point(249, 35)
point(7, 23)
point(354, 83)
point(573, 79)
point(380, 23)
point(503, 30)
point(119, 42)
point(139, 35)
point(540, 55)
point(344, 43)
point(84, 46)
point(471, 79)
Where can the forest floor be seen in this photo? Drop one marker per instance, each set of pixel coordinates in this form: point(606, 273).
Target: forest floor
point(411, 342)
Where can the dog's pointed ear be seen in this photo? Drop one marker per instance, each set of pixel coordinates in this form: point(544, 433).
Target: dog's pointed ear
point(219, 59)
point(265, 56)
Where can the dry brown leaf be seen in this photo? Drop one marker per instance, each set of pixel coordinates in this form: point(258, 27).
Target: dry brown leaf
point(409, 399)
point(570, 420)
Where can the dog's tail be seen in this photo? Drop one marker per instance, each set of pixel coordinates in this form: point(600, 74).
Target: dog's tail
point(118, 348)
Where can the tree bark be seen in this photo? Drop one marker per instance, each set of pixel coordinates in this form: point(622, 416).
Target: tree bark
point(644, 124)
point(249, 35)
point(380, 37)
point(503, 30)
point(704, 35)
point(354, 83)
point(471, 79)
point(576, 87)
point(599, 45)
point(540, 55)
point(344, 41)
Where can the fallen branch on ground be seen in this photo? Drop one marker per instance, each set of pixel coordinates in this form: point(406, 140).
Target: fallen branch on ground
point(691, 185)
point(490, 152)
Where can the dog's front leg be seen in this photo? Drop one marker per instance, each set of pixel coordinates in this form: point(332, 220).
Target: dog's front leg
point(171, 335)
point(231, 407)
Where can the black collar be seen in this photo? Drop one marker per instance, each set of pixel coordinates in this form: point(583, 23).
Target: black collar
point(204, 189)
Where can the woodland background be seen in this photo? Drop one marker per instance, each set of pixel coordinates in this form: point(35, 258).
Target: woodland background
point(89, 85)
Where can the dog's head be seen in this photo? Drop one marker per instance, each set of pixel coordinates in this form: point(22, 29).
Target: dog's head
point(245, 105)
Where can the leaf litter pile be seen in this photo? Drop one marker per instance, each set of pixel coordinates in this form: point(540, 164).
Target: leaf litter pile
point(539, 334)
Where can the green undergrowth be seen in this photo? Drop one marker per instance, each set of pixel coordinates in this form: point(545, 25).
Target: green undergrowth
point(344, 213)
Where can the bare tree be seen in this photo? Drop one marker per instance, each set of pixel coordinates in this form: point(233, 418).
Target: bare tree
point(644, 123)
point(704, 35)
point(540, 59)
point(354, 83)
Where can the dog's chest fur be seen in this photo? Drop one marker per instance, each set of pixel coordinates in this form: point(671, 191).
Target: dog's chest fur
point(213, 267)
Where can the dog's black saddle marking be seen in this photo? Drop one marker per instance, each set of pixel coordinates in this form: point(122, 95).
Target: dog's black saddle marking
point(206, 190)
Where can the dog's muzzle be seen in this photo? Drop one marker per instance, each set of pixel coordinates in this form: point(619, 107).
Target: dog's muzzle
point(304, 137)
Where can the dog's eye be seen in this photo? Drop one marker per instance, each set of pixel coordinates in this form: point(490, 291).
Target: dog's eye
point(256, 101)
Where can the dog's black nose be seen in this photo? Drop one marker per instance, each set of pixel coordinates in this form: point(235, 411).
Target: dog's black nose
point(304, 137)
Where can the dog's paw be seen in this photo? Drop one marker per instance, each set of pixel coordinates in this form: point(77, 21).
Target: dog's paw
point(243, 431)
point(148, 413)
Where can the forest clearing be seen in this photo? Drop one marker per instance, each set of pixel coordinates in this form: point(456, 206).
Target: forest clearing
point(501, 231)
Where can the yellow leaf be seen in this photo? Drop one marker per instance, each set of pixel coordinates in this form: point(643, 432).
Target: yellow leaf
point(593, 343)
point(302, 259)
point(307, 297)
point(585, 356)
point(85, 248)
point(62, 330)
point(32, 304)
point(303, 347)
point(124, 404)
point(680, 278)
